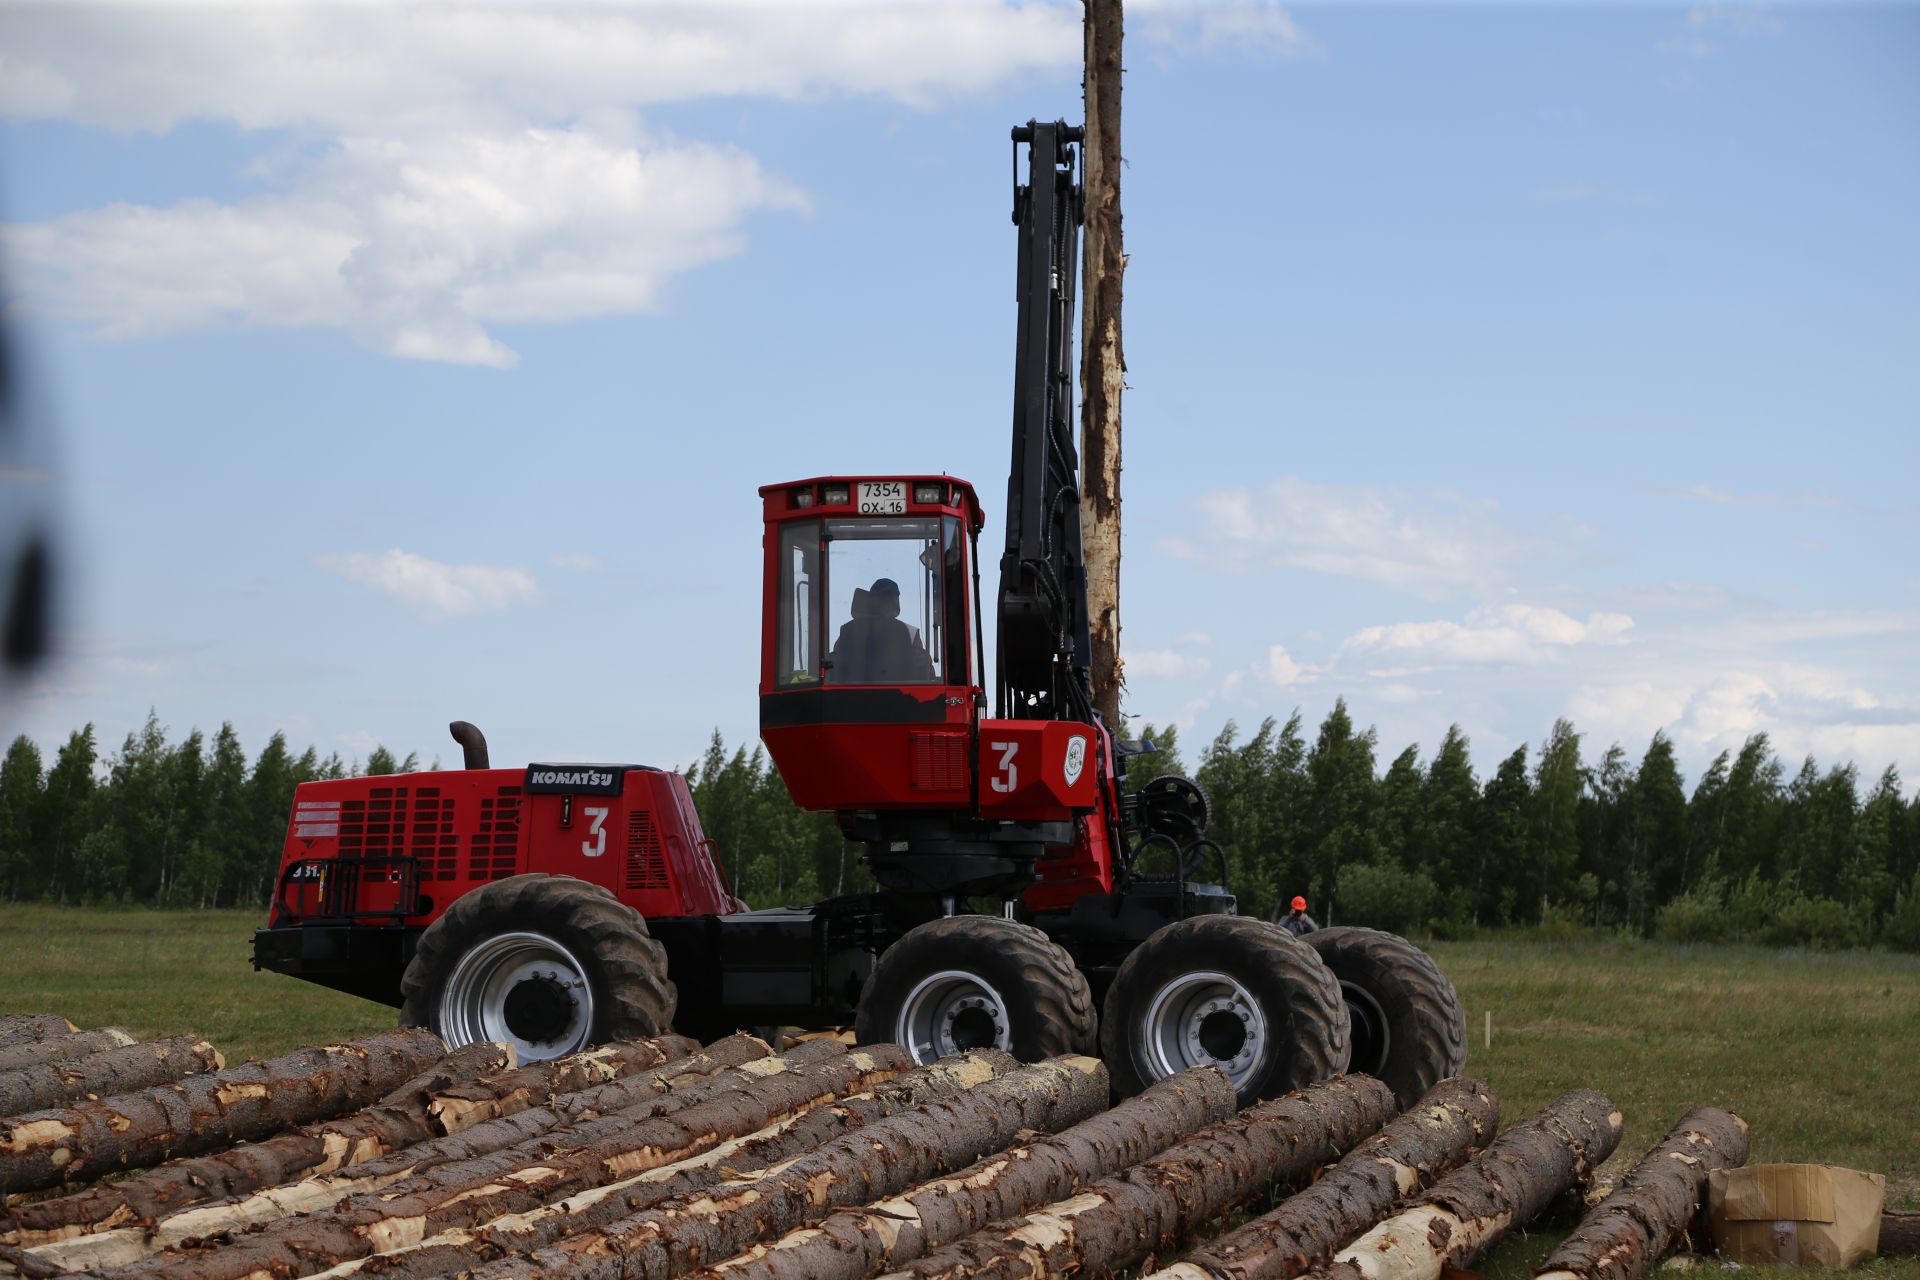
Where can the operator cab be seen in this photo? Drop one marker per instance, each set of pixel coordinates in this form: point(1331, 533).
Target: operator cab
point(870, 654)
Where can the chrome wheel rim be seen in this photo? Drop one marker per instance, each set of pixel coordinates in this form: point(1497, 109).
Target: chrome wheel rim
point(951, 1012)
point(1203, 1018)
point(524, 989)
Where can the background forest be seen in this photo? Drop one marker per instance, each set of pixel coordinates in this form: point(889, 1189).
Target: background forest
point(1753, 851)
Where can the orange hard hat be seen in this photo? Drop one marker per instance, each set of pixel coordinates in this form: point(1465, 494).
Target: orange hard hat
point(1299, 904)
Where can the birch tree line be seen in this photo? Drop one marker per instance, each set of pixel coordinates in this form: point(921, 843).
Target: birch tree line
point(1557, 837)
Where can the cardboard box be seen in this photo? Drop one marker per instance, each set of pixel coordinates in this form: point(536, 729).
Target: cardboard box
point(1795, 1215)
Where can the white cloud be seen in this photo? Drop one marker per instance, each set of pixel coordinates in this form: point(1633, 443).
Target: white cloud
point(1429, 546)
point(476, 164)
point(414, 246)
point(1239, 26)
point(1763, 501)
point(454, 167)
point(1167, 663)
point(1514, 633)
point(351, 68)
point(1281, 670)
point(432, 590)
point(578, 563)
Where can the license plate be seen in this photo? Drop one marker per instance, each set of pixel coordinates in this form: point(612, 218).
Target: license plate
point(883, 498)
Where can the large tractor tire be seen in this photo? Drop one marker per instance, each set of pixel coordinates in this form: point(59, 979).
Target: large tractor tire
point(973, 982)
point(1409, 1031)
point(546, 963)
point(1227, 991)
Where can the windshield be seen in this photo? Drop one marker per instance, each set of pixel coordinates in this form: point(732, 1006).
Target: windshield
point(873, 602)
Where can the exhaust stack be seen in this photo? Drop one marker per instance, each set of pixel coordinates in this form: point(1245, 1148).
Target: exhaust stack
point(473, 743)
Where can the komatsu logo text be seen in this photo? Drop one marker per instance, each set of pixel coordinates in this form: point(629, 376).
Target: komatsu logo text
point(550, 778)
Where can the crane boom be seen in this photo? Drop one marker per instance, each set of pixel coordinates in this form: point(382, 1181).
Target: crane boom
point(1044, 650)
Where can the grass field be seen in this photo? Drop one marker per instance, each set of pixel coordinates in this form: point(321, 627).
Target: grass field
point(1820, 1052)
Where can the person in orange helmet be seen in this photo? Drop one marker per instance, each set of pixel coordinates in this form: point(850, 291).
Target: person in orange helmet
point(1295, 921)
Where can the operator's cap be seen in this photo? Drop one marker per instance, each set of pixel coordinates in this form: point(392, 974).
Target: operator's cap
point(884, 587)
point(1299, 904)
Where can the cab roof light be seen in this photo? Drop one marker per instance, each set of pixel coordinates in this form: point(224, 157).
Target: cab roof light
point(803, 496)
point(935, 493)
point(835, 495)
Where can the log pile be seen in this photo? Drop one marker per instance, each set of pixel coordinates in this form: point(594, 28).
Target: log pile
point(389, 1157)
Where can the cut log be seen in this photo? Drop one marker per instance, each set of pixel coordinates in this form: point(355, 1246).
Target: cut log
point(1470, 1209)
point(464, 1105)
point(515, 1180)
point(857, 1243)
point(696, 1228)
point(397, 1120)
point(64, 1048)
point(26, 1028)
point(460, 1250)
point(206, 1112)
point(1160, 1203)
point(1899, 1235)
point(99, 1075)
point(663, 1089)
point(18, 1262)
point(1454, 1119)
point(1647, 1214)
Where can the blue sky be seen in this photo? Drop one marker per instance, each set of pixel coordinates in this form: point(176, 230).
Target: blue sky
point(1486, 364)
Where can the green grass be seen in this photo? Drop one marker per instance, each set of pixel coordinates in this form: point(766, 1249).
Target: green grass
point(165, 973)
point(1819, 1052)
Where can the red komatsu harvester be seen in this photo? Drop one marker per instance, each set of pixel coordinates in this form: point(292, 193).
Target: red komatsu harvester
point(1026, 898)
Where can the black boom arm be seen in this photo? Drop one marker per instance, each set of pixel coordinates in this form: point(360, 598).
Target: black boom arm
point(1044, 649)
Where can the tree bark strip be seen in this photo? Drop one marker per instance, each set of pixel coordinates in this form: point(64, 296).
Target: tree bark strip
point(1102, 361)
point(1625, 1234)
point(857, 1243)
point(114, 1071)
point(1471, 1208)
point(203, 1113)
point(26, 1028)
point(64, 1048)
point(511, 1181)
point(1455, 1118)
point(1160, 1203)
point(697, 1228)
point(672, 1085)
point(397, 1120)
point(460, 1250)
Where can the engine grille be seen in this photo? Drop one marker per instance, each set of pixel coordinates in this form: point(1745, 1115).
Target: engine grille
point(646, 867)
point(492, 851)
point(939, 761)
point(373, 827)
point(431, 835)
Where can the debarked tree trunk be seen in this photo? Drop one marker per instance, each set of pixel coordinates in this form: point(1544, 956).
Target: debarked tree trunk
point(698, 1228)
point(1454, 1119)
point(571, 1118)
point(1625, 1234)
point(856, 1243)
point(510, 1181)
point(1510, 1182)
point(64, 1048)
point(206, 1112)
point(1160, 1203)
point(460, 1250)
point(398, 1120)
point(103, 1074)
